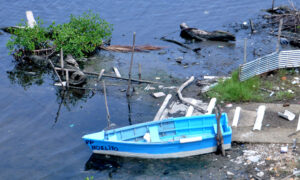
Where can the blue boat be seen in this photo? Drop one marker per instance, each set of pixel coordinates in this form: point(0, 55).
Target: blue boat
point(170, 138)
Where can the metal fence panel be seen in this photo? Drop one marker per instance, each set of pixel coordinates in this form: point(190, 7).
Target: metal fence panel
point(259, 66)
point(270, 62)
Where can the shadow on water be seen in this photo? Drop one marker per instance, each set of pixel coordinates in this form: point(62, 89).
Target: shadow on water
point(153, 167)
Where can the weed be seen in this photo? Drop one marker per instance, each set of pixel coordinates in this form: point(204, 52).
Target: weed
point(89, 178)
point(79, 37)
point(284, 95)
point(234, 90)
point(27, 39)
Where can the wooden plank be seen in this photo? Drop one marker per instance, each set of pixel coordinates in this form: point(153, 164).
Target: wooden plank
point(162, 108)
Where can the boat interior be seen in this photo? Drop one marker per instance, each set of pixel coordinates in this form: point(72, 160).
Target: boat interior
point(181, 129)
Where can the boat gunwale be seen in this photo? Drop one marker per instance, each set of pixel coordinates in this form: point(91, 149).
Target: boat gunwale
point(146, 124)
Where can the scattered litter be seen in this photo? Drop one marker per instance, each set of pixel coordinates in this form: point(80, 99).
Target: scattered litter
point(206, 12)
point(294, 144)
point(64, 83)
point(177, 107)
point(170, 87)
point(220, 47)
point(159, 94)
point(229, 173)
point(290, 91)
point(287, 115)
point(228, 105)
point(148, 87)
point(286, 105)
point(157, 78)
point(179, 60)
point(284, 149)
point(283, 78)
point(294, 82)
point(284, 41)
point(72, 125)
point(271, 94)
point(260, 174)
point(254, 159)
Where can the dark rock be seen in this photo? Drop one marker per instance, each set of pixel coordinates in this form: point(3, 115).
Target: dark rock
point(200, 35)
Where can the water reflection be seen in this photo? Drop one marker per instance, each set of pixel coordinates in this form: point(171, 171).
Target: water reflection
point(101, 162)
point(27, 75)
point(133, 167)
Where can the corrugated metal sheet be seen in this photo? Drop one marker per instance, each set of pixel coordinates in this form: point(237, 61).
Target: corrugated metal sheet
point(283, 59)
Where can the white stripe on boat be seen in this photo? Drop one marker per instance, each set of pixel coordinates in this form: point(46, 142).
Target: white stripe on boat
point(161, 156)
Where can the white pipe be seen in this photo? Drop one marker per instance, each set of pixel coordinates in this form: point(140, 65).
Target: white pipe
point(117, 72)
point(259, 117)
point(30, 19)
point(189, 111)
point(298, 127)
point(236, 116)
point(211, 105)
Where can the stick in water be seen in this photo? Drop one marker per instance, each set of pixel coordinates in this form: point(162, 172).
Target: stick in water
point(131, 62)
point(106, 106)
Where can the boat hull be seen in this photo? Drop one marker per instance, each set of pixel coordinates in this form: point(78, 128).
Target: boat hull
point(157, 150)
point(171, 138)
point(161, 156)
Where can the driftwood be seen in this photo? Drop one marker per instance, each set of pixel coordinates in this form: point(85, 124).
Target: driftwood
point(106, 105)
point(200, 35)
point(219, 137)
point(180, 44)
point(130, 68)
point(111, 76)
point(185, 100)
point(162, 108)
point(124, 48)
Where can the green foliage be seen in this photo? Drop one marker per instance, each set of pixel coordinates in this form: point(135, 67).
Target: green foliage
point(79, 37)
point(27, 39)
point(82, 35)
point(89, 178)
point(284, 95)
point(233, 90)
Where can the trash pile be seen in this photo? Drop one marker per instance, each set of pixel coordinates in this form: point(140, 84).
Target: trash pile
point(273, 160)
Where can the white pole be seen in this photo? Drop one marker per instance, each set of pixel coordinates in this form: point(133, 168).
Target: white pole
point(259, 117)
point(298, 127)
point(211, 105)
point(189, 111)
point(236, 116)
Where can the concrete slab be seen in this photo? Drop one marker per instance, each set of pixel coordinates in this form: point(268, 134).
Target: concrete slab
point(274, 128)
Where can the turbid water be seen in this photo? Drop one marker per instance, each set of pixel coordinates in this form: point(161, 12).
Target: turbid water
point(37, 142)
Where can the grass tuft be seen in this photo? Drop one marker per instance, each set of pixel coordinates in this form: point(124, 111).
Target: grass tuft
point(235, 91)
